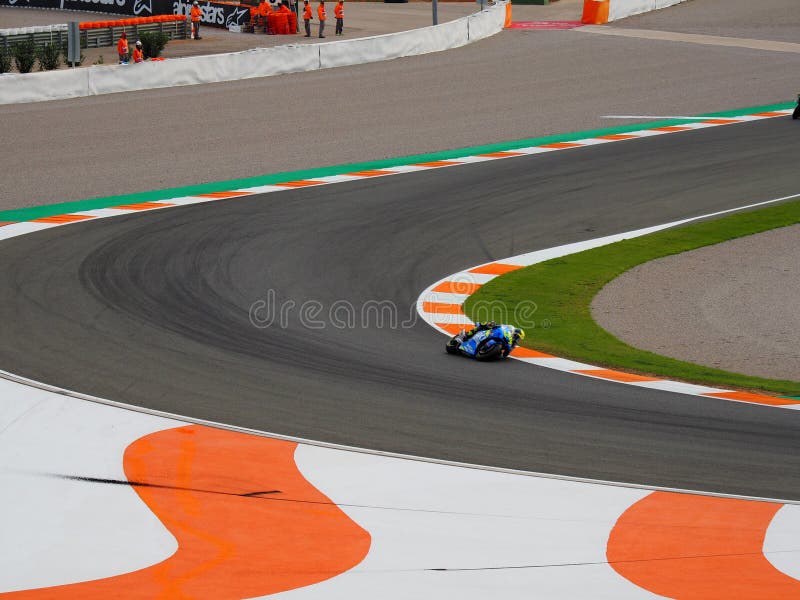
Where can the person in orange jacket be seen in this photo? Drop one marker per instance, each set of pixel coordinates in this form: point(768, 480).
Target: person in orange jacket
point(338, 12)
point(138, 55)
point(122, 48)
point(321, 16)
point(196, 17)
point(307, 16)
point(259, 15)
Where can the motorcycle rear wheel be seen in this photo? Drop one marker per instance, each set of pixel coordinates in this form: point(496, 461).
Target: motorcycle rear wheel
point(796, 113)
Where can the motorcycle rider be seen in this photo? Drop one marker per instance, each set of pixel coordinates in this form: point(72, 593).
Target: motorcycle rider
point(464, 335)
point(518, 336)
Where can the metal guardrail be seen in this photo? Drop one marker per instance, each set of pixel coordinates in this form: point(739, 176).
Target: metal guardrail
point(46, 34)
point(90, 38)
point(108, 36)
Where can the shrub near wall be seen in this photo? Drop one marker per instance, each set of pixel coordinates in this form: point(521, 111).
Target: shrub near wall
point(49, 57)
point(153, 43)
point(24, 55)
point(5, 60)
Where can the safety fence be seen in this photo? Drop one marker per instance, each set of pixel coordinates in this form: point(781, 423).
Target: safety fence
point(99, 34)
point(222, 13)
point(261, 62)
point(40, 35)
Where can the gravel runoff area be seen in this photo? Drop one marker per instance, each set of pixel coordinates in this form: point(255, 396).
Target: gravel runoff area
point(730, 306)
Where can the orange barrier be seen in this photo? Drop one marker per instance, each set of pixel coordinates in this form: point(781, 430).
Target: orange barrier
point(282, 23)
point(272, 22)
point(131, 22)
point(508, 20)
point(595, 12)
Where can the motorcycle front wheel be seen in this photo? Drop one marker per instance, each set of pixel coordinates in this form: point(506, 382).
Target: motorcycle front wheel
point(796, 113)
point(486, 352)
point(452, 346)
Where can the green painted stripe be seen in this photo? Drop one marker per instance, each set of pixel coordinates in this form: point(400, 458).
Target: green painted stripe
point(38, 212)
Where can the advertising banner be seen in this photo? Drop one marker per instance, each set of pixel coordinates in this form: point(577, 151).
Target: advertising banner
point(216, 14)
point(222, 14)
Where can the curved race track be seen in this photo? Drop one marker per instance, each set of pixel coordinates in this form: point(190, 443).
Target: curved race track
point(153, 310)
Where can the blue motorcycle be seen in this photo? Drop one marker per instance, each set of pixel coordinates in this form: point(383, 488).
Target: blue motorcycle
point(486, 342)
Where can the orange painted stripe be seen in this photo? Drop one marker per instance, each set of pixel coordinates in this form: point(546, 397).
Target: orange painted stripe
point(495, 269)
point(300, 183)
point(671, 128)
point(62, 219)
point(615, 375)
point(506, 154)
point(561, 145)
point(442, 308)
point(521, 352)
point(720, 121)
point(452, 328)
point(769, 114)
point(222, 195)
point(143, 205)
point(457, 287)
point(2, 223)
point(371, 173)
point(698, 547)
point(617, 136)
point(755, 398)
point(437, 163)
point(247, 522)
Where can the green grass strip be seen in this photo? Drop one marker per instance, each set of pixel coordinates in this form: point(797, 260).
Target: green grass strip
point(563, 289)
point(38, 212)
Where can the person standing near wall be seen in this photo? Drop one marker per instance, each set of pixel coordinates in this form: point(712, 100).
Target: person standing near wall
point(138, 55)
point(307, 16)
point(196, 16)
point(321, 16)
point(293, 7)
point(122, 48)
point(338, 12)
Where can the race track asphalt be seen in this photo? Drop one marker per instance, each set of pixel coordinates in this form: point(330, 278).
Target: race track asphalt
point(152, 309)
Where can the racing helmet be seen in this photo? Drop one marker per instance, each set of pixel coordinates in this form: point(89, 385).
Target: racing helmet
point(519, 334)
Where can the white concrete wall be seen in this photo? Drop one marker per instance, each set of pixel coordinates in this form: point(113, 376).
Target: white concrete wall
point(619, 9)
point(262, 62)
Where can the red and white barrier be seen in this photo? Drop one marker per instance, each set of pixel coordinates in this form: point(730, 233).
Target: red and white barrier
point(597, 12)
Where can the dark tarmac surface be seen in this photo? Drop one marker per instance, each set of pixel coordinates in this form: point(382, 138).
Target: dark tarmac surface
point(154, 310)
point(515, 85)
